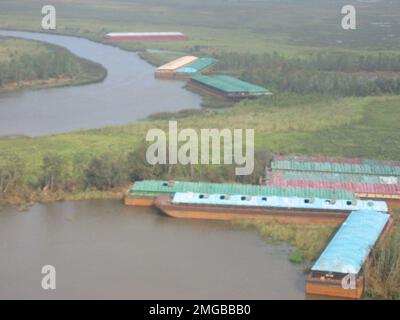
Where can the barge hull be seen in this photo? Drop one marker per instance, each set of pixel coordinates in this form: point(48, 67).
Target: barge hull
point(245, 213)
point(139, 202)
point(333, 288)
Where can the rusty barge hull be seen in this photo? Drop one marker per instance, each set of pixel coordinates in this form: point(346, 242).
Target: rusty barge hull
point(284, 215)
point(333, 288)
point(139, 201)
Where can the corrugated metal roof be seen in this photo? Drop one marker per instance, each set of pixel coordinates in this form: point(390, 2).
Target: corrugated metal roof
point(197, 66)
point(317, 159)
point(351, 245)
point(159, 187)
point(335, 167)
point(368, 188)
point(143, 34)
point(332, 177)
point(229, 84)
point(178, 63)
point(278, 202)
point(339, 160)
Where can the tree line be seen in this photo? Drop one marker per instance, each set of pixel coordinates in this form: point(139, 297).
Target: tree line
point(106, 171)
point(337, 73)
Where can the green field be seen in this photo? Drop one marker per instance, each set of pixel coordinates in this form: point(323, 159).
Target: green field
point(246, 26)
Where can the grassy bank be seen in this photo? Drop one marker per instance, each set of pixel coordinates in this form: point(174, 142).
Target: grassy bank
point(309, 240)
point(32, 64)
point(383, 269)
point(26, 198)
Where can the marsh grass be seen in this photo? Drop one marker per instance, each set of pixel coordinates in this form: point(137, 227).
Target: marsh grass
point(383, 269)
point(316, 130)
point(308, 239)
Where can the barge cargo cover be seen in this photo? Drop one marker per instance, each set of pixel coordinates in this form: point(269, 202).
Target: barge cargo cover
point(143, 193)
point(168, 70)
point(368, 179)
point(194, 68)
point(266, 208)
point(338, 271)
point(228, 86)
point(146, 36)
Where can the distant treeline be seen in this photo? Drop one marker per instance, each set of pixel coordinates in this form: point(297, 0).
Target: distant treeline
point(337, 73)
point(55, 62)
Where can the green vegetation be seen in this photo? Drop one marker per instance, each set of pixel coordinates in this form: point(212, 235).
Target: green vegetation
point(383, 269)
point(26, 63)
point(309, 240)
point(311, 124)
point(296, 257)
point(331, 72)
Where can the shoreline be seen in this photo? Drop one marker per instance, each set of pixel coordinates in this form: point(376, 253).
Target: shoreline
point(30, 197)
point(47, 84)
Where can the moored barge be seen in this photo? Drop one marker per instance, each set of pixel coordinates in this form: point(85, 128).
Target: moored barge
point(168, 70)
point(368, 179)
point(143, 193)
point(228, 87)
point(145, 36)
point(281, 209)
point(339, 270)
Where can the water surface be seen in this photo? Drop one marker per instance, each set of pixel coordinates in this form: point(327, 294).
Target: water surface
point(102, 249)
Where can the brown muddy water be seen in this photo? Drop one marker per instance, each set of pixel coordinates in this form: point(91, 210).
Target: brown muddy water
point(104, 250)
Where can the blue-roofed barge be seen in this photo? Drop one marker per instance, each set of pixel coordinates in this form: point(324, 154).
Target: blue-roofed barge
point(338, 272)
point(281, 209)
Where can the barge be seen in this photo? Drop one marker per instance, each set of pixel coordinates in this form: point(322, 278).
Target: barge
point(227, 87)
point(143, 193)
point(196, 67)
point(338, 272)
point(146, 36)
point(262, 208)
point(168, 70)
point(367, 191)
point(368, 179)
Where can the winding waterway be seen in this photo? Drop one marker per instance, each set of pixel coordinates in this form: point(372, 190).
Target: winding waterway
point(129, 93)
